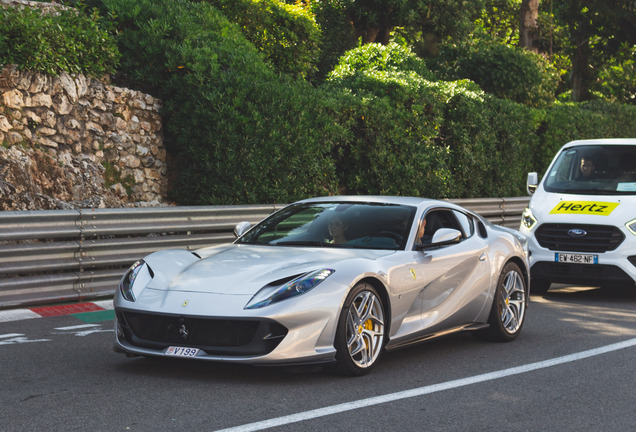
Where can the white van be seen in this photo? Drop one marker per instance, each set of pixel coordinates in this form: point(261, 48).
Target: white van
point(581, 220)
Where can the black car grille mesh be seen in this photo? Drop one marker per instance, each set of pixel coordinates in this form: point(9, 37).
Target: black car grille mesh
point(213, 335)
point(599, 238)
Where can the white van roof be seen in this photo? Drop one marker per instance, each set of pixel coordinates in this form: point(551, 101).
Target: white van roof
point(606, 141)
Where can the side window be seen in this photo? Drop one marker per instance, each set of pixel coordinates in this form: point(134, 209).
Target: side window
point(436, 219)
point(466, 222)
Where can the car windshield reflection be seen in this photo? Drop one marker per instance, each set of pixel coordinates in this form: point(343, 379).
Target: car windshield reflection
point(335, 224)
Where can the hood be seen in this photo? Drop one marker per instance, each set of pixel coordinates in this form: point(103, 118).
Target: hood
point(583, 209)
point(245, 269)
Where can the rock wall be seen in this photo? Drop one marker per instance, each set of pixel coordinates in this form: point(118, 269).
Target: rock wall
point(74, 142)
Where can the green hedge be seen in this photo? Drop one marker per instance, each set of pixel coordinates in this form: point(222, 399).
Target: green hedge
point(241, 133)
point(73, 40)
point(412, 136)
point(491, 144)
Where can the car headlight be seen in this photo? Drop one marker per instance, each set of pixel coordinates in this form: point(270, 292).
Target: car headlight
point(631, 226)
point(127, 282)
point(300, 285)
point(528, 220)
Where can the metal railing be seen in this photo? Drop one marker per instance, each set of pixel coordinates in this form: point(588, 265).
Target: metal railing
point(69, 255)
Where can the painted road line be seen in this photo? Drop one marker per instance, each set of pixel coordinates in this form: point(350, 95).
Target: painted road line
point(84, 329)
point(392, 397)
point(10, 335)
point(77, 327)
point(15, 338)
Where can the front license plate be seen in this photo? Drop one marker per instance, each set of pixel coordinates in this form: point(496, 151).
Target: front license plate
point(181, 351)
point(575, 258)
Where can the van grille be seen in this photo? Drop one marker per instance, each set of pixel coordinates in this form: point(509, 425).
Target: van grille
point(599, 238)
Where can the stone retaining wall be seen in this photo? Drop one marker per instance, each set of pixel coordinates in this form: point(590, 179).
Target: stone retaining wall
point(72, 141)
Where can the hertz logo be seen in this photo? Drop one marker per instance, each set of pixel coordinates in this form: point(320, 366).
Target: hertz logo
point(584, 207)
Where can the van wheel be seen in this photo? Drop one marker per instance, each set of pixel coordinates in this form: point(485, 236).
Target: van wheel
point(539, 286)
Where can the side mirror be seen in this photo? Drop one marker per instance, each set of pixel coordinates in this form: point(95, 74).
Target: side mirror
point(532, 183)
point(445, 236)
point(442, 237)
point(241, 228)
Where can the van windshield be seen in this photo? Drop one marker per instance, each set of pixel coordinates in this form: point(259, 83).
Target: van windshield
point(594, 170)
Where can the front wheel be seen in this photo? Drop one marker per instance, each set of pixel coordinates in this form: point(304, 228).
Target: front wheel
point(360, 334)
point(509, 305)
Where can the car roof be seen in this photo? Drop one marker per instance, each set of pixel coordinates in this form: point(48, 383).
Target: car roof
point(381, 199)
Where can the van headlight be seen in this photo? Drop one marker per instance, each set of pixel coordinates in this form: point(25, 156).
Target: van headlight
point(528, 221)
point(631, 226)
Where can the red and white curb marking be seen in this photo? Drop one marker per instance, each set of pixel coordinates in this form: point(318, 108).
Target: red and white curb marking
point(46, 311)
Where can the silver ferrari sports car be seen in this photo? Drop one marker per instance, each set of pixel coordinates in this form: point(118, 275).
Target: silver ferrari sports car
point(328, 280)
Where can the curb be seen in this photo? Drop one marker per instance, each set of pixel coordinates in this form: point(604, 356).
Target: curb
point(48, 311)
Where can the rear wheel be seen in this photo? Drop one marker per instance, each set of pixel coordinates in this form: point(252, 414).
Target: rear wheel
point(360, 334)
point(509, 305)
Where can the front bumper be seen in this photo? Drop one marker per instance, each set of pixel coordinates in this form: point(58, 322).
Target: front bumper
point(615, 267)
point(296, 331)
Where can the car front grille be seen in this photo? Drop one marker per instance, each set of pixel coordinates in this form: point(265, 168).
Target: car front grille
point(220, 336)
point(599, 238)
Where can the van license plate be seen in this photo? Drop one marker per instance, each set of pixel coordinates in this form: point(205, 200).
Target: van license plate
point(575, 258)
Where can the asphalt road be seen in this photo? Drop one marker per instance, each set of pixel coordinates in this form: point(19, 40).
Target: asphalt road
point(572, 369)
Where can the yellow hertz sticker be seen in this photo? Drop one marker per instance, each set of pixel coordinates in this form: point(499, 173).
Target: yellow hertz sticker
point(584, 207)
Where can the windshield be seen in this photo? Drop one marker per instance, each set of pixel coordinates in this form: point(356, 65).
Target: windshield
point(594, 170)
point(335, 224)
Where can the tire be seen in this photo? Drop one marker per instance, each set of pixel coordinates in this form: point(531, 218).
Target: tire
point(539, 286)
point(508, 310)
point(360, 336)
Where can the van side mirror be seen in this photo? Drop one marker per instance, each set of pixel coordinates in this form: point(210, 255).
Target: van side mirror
point(532, 183)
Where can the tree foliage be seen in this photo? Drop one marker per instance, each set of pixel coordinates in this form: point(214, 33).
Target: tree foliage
point(71, 40)
point(447, 107)
point(504, 71)
point(286, 34)
point(596, 33)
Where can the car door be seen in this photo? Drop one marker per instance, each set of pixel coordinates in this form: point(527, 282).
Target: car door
point(448, 285)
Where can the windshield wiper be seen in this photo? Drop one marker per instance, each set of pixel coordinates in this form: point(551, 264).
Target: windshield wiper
point(299, 243)
point(596, 192)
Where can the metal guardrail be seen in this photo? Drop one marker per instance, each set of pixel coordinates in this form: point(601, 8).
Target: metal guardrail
point(70, 255)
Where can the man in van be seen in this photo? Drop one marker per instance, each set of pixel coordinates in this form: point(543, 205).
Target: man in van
point(587, 166)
